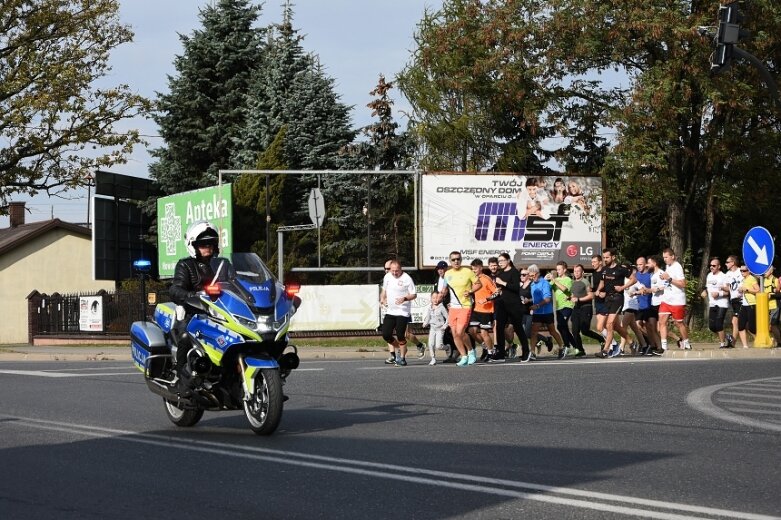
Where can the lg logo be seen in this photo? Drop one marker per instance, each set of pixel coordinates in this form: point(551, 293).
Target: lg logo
point(573, 251)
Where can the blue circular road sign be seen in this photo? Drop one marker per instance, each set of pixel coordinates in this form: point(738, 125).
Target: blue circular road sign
point(758, 250)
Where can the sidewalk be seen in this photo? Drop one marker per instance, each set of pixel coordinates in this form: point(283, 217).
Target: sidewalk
point(122, 353)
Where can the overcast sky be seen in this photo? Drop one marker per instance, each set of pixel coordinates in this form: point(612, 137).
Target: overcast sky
point(356, 40)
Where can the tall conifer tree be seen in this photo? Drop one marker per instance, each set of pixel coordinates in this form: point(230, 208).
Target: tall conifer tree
point(203, 112)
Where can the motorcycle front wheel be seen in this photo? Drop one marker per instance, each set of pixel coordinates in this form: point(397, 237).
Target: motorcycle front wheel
point(180, 417)
point(264, 408)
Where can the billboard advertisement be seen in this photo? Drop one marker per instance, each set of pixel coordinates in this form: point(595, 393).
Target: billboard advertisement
point(175, 214)
point(537, 220)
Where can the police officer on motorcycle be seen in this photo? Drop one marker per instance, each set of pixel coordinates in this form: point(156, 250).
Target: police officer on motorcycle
point(190, 276)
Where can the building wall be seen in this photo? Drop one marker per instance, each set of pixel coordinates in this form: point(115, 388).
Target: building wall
point(58, 261)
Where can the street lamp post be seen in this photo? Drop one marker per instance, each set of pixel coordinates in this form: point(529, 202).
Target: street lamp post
point(367, 211)
point(89, 178)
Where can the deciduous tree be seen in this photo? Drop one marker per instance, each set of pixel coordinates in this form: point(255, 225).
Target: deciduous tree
point(57, 110)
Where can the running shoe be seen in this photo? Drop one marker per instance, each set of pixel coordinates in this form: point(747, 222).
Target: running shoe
point(463, 361)
point(601, 354)
point(580, 353)
point(513, 351)
point(634, 347)
point(497, 357)
point(646, 351)
point(526, 358)
point(433, 361)
point(730, 341)
point(562, 352)
point(401, 362)
point(548, 343)
point(614, 351)
point(687, 346)
point(471, 359)
point(657, 352)
point(484, 356)
point(391, 360)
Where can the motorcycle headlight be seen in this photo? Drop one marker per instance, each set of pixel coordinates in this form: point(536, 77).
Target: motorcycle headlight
point(268, 323)
point(244, 322)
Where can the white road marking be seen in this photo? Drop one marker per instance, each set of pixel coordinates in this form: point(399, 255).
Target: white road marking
point(702, 400)
point(122, 367)
point(53, 374)
point(750, 403)
point(753, 410)
point(738, 393)
point(606, 502)
point(41, 373)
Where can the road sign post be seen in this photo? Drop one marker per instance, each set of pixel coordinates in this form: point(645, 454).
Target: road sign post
point(758, 253)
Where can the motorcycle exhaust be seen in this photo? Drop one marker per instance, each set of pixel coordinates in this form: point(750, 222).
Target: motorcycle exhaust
point(205, 399)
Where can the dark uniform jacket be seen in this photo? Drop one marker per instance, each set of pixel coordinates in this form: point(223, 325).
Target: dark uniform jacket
point(190, 276)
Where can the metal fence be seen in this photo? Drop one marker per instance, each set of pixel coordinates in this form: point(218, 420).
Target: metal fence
point(63, 314)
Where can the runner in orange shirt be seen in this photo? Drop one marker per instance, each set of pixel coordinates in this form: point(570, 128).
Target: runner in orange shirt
point(481, 323)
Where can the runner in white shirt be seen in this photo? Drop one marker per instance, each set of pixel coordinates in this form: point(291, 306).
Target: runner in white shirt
point(674, 299)
point(657, 292)
point(631, 310)
point(734, 279)
point(398, 291)
point(718, 299)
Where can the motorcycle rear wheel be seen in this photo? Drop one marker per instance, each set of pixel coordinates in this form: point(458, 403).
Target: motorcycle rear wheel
point(180, 417)
point(264, 409)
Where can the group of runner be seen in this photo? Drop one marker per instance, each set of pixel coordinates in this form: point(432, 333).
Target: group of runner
point(633, 304)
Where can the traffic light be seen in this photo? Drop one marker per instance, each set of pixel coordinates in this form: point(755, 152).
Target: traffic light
point(727, 35)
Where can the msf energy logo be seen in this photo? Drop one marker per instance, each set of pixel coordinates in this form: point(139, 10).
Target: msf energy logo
point(534, 232)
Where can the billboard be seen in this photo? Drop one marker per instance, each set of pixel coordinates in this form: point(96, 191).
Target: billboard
point(119, 232)
point(537, 220)
point(175, 213)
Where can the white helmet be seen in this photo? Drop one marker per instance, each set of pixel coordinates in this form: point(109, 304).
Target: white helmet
point(200, 232)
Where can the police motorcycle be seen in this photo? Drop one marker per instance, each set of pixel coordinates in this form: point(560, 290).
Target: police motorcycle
point(240, 356)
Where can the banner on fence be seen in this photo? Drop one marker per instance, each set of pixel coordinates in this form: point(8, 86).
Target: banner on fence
point(539, 220)
point(337, 307)
point(91, 313)
point(176, 212)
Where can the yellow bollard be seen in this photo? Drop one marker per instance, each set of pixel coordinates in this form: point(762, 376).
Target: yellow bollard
point(762, 339)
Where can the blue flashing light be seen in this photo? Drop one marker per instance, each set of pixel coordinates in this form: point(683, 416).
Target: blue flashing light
point(142, 265)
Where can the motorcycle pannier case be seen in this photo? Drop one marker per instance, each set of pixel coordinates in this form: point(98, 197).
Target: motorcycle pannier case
point(146, 339)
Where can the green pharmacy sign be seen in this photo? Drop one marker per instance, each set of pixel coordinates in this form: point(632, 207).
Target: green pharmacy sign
point(175, 213)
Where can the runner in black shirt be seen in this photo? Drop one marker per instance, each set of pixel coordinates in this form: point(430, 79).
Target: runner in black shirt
point(600, 308)
point(611, 288)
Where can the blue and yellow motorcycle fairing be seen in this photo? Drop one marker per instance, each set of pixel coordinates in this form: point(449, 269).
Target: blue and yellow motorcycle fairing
point(239, 341)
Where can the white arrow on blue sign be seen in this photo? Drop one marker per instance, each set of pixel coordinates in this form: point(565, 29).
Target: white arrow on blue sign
point(758, 250)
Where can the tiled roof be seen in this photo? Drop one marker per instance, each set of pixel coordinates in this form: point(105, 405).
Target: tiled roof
point(11, 238)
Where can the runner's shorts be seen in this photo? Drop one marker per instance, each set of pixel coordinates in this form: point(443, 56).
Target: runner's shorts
point(484, 320)
point(676, 311)
point(458, 318)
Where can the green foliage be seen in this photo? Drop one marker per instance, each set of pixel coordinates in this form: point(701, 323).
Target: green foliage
point(387, 228)
point(202, 115)
point(56, 121)
point(477, 100)
point(249, 199)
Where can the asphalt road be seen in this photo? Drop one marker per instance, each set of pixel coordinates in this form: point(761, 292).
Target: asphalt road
point(647, 438)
